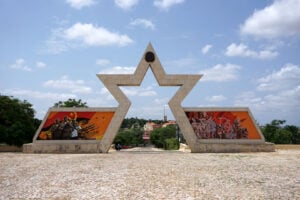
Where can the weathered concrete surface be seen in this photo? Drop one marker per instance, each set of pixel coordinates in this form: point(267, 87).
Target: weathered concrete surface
point(94, 148)
point(151, 174)
point(60, 148)
point(9, 148)
point(232, 148)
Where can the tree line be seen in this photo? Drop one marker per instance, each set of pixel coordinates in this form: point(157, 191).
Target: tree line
point(18, 126)
point(279, 133)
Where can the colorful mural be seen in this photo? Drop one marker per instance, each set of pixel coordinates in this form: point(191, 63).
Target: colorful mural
point(64, 125)
point(223, 125)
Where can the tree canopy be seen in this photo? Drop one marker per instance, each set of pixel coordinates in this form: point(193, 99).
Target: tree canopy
point(17, 122)
point(278, 133)
point(165, 138)
point(130, 122)
point(130, 137)
point(71, 103)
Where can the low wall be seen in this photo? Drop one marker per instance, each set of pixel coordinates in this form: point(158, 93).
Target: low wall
point(61, 148)
point(232, 148)
point(287, 146)
point(8, 148)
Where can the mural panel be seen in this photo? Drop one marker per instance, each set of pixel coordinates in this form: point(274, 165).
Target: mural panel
point(223, 125)
point(65, 125)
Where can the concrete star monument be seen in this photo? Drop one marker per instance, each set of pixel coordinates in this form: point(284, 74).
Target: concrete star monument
point(149, 60)
point(92, 130)
point(225, 136)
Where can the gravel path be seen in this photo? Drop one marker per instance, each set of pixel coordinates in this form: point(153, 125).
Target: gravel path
point(151, 174)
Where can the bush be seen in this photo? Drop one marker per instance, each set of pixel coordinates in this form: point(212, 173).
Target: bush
point(283, 136)
point(17, 122)
point(129, 137)
point(159, 137)
point(171, 144)
point(276, 133)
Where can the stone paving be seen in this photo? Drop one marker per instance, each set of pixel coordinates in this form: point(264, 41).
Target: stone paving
point(151, 174)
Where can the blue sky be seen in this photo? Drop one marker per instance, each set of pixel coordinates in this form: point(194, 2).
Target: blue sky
point(248, 52)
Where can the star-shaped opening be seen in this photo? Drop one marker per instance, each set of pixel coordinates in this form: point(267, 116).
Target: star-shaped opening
point(149, 60)
point(149, 101)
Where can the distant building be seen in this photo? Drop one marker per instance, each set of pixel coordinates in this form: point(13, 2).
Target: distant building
point(148, 128)
point(165, 118)
point(168, 123)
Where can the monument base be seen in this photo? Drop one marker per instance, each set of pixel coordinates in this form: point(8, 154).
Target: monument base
point(232, 147)
point(61, 148)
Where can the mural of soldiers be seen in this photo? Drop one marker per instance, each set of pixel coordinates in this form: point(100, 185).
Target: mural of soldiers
point(55, 130)
point(67, 128)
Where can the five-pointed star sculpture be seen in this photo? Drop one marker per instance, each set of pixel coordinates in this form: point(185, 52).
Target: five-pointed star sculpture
point(149, 59)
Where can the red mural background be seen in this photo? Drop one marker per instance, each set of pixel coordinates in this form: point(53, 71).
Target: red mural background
point(75, 125)
point(223, 125)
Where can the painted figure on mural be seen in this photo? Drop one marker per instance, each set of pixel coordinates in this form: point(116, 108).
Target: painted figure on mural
point(75, 126)
point(217, 125)
point(56, 130)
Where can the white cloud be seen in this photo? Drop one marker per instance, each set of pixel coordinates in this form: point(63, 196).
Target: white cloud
point(104, 91)
point(20, 64)
point(174, 65)
point(139, 91)
point(56, 43)
point(147, 24)
point(79, 35)
point(277, 93)
point(40, 64)
point(166, 4)
point(39, 95)
point(78, 4)
point(248, 98)
point(206, 48)
point(54, 46)
point(286, 78)
point(162, 101)
point(105, 94)
point(284, 104)
point(285, 99)
point(64, 83)
point(243, 50)
point(216, 98)
point(92, 35)
point(149, 93)
point(102, 62)
point(221, 73)
point(118, 70)
point(282, 18)
point(126, 4)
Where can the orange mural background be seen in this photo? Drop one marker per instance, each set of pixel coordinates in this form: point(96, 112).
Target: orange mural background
point(223, 125)
point(75, 125)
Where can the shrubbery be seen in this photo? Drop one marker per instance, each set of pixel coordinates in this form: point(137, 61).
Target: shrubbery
point(129, 137)
point(277, 133)
point(171, 144)
point(165, 138)
point(17, 122)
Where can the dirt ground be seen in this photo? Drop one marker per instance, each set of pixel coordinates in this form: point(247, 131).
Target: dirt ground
point(148, 173)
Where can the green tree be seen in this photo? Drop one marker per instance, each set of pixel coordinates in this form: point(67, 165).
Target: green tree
point(159, 137)
point(282, 136)
point(269, 130)
point(276, 133)
point(295, 131)
point(129, 137)
point(71, 103)
point(17, 122)
point(171, 144)
point(130, 122)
